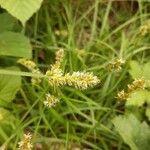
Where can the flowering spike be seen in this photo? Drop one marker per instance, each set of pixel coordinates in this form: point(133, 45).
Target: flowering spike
point(27, 63)
point(136, 84)
point(115, 65)
point(81, 80)
point(122, 95)
point(145, 28)
point(51, 100)
point(32, 67)
point(58, 59)
point(25, 143)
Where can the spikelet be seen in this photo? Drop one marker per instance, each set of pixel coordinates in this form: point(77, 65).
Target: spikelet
point(136, 84)
point(55, 77)
point(51, 100)
point(27, 63)
point(122, 95)
point(58, 59)
point(116, 64)
point(63, 33)
point(55, 73)
point(25, 143)
point(30, 65)
point(81, 80)
point(145, 28)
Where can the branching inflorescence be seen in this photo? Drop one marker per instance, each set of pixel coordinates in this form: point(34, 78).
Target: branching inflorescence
point(56, 77)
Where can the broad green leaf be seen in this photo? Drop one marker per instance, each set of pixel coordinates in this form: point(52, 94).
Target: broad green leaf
point(9, 86)
point(7, 123)
point(21, 9)
point(134, 133)
point(142, 139)
point(135, 69)
point(15, 44)
point(127, 126)
point(5, 116)
point(6, 22)
point(146, 72)
point(138, 98)
point(148, 112)
point(138, 71)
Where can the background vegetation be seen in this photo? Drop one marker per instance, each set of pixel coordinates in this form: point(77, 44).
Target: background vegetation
point(94, 34)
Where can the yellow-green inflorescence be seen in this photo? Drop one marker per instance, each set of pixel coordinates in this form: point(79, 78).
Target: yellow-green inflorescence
point(135, 85)
point(55, 76)
point(116, 64)
point(145, 28)
point(51, 100)
point(25, 143)
point(30, 65)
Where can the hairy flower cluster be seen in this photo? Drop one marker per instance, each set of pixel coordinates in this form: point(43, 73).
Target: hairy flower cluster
point(30, 65)
point(122, 95)
point(63, 33)
point(115, 65)
point(136, 84)
point(81, 80)
point(51, 100)
point(25, 143)
point(58, 60)
point(144, 29)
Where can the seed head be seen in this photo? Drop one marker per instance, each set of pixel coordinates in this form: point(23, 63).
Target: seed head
point(145, 28)
point(58, 59)
point(122, 95)
point(25, 143)
point(27, 63)
point(116, 64)
point(135, 85)
point(30, 65)
point(81, 80)
point(55, 77)
point(63, 33)
point(51, 100)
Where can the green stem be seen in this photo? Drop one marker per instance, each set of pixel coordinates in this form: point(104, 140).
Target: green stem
point(20, 73)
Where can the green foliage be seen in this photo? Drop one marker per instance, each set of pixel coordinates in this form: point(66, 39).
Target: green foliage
point(93, 35)
point(134, 133)
point(6, 22)
point(141, 97)
point(21, 9)
point(15, 44)
point(148, 111)
point(9, 86)
point(139, 70)
point(138, 98)
point(7, 121)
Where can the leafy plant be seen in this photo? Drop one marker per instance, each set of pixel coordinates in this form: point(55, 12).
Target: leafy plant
point(97, 36)
point(140, 97)
point(133, 132)
point(23, 9)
